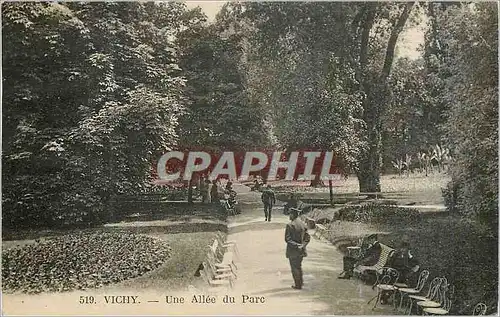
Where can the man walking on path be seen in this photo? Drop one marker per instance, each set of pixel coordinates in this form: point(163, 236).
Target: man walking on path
point(269, 199)
point(296, 238)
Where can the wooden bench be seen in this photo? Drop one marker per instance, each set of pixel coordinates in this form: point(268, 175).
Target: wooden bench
point(322, 230)
point(363, 270)
point(214, 279)
point(222, 255)
point(311, 223)
point(227, 207)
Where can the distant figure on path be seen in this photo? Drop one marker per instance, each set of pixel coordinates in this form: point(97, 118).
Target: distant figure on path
point(206, 192)
point(256, 185)
point(229, 185)
point(214, 192)
point(269, 199)
point(296, 238)
point(292, 203)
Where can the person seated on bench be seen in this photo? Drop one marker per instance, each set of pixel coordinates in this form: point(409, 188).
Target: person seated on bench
point(369, 257)
point(229, 186)
point(256, 185)
point(404, 262)
point(231, 199)
point(214, 192)
point(292, 203)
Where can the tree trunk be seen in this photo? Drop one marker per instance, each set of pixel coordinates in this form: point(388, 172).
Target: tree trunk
point(369, 169)
point(264, 175)
point(330, 187)
point(376, 97)
point(317, 181)
point(190, 192)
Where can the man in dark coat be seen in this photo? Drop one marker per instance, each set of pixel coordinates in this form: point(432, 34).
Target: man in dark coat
point(403, 261)
point(214, 192)
point(368, 255)
point(296, 238)
point(269, 199)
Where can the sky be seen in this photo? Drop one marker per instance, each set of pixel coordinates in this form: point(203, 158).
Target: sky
point(407, 45)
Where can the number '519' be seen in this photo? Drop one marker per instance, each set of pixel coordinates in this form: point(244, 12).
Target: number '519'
point(87, 300)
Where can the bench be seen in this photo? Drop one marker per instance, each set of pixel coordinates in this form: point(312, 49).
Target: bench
point(363, 270)
point(230, 210)
point(213, 278)
point(222, 255)
point(229, 245)
point(321, 230)
point(357, 251)
point(311, 223)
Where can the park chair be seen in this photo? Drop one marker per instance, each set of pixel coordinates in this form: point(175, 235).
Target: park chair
point(446, 301)
point(230, 210)
point(221, 256)
point(228, 245)
point(479, 309)
point(444, 310)
point(431, 293)
point(322, 230)
point(216, 250)
point(386, 278)
point(211, 279)
point(220, 269)
point(438, 300)
point(406, 291)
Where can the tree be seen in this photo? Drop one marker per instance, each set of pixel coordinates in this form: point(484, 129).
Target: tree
point(470, 35)
point(92, 96)
point(306, 79)
point(373, 79)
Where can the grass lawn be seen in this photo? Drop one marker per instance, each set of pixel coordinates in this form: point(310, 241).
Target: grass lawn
point(462, 251)
point(188, 251)
point(415, 188)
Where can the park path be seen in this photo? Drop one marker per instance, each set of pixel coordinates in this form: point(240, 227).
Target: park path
point(263, 271)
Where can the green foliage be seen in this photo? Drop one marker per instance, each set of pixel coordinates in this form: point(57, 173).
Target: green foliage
point(92, 96)
point(470, 90)
point(80, 261)
point(307, 78)
point(413, 115)
point(221, 114)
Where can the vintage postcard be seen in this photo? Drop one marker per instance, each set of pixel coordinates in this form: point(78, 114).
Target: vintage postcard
point(249, 158)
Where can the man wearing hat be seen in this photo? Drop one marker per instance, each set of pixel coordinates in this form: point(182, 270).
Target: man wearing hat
point(269, 199)
point(296, 238)
point(403, 261)
point(369, 254)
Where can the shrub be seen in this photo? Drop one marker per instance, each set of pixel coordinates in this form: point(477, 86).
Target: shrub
point(80, 261)
point(378, 213)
